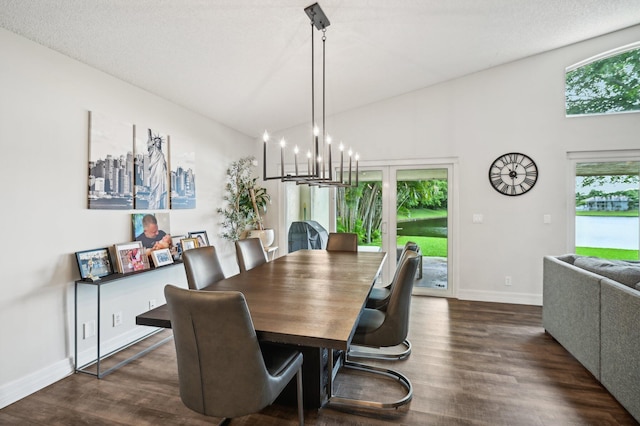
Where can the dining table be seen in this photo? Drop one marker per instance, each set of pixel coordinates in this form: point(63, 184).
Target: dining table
point(310, 299)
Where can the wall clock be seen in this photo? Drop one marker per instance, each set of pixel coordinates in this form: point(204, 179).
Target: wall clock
point(513, 174)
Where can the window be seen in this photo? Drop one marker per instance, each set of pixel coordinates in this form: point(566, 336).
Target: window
point(606, 214)
point(606, 84)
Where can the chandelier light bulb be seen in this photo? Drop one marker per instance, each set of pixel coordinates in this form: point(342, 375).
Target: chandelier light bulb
point(265, 136)
point(308, 154)
point(316, 130)
point(341, 147)
point(282, 142)
point(329, 139)
point(350, 152)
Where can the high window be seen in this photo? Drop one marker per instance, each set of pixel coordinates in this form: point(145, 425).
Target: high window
point(605, 84)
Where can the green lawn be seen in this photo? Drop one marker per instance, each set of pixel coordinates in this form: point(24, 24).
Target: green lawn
point(429, 246)
point(608, 253)
point(629, 213)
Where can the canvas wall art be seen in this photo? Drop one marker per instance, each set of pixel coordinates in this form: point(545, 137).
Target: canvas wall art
point(151, 172)
point(110, 163)
point(183, 179)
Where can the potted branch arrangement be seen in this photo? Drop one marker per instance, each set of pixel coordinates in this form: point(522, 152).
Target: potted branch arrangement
point(245, 199)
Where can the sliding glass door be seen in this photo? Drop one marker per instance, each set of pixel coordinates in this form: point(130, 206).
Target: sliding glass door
point(421, 215)
point(396, 204)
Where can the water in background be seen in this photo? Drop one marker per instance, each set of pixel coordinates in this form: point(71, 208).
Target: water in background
point(607, 232)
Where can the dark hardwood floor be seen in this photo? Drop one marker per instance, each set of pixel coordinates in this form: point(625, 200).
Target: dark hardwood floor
point(472, 363)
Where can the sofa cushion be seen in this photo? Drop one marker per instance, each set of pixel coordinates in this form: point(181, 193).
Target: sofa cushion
point(569, 258)
point(627, 273)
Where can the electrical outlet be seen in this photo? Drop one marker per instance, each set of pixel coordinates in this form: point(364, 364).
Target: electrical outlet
point(88, 329)
point(507, 280)
point(117, 318)
point(152, 304)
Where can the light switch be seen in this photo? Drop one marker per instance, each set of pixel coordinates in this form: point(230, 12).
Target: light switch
point(546, 219)
point(477, 218)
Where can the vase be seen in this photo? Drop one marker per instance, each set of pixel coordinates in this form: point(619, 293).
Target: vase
point(267, 236)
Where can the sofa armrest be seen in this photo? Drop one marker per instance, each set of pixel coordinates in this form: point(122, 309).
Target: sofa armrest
point(571, 310)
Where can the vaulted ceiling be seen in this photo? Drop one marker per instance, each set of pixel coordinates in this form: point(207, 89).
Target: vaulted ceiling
point(246, 63)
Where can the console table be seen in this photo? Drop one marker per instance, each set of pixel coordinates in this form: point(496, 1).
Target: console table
point(99, 373)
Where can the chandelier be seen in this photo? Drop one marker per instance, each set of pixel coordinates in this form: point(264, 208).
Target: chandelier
point(317, 167)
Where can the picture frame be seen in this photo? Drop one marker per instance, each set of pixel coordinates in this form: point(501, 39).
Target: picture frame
point(188, 243)
point(94, 264)
point(161, 257)
point(131, 257)
point(201, 236)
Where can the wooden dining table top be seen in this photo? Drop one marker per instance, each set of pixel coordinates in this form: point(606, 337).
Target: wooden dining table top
point(308, 297)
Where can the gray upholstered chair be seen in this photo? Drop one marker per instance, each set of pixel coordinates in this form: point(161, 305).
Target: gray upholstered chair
point(379, 296)
point(342, 241)
point(250, 253)
point(202, 267)
point(222, 369)
point(388, 328)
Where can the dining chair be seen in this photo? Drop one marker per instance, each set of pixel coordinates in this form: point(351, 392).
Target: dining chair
point(202, 267)
point(250, 253)
point(378, 329)
point(379, 296)
point(342, 241)
point(222, 369)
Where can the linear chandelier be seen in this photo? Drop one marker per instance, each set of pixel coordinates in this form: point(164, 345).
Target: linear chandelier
point(316, 168)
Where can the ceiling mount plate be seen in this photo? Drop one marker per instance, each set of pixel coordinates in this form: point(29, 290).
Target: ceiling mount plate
point(317, 16)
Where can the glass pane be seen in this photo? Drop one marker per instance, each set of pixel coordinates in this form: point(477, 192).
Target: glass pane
point(607, 209)
point(605, 86)
point(359, 210)
point(308, 204)
point(421, 209)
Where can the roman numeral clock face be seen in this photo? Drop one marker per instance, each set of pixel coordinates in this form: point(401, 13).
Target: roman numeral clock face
point(513, 174)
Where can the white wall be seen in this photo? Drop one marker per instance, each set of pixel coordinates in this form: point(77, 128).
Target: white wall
point(44, 99)
point(518, 107)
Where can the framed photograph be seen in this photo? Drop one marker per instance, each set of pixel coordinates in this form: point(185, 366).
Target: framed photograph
point(161, 257)
point(188, 243)
point(152, 229)
point(176, 245)
point(201, 236)
point(94, 263)
point(131, 257)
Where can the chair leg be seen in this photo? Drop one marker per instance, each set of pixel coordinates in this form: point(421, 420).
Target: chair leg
point(224, 422)
point(300, 398)
point(335, 400)
point(375, 354)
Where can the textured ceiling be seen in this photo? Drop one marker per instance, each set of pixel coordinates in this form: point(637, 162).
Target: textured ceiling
point(246, 63)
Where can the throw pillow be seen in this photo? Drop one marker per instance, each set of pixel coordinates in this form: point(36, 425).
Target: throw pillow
point(627, 273)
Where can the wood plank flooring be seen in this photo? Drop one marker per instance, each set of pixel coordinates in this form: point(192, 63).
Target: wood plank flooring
point(473, 363)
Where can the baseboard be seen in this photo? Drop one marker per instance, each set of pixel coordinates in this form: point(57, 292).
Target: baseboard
point(33, 382)
point(500, 297)
point(25, 386)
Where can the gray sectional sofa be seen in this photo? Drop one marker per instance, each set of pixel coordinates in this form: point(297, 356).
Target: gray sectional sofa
point(591, 307)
